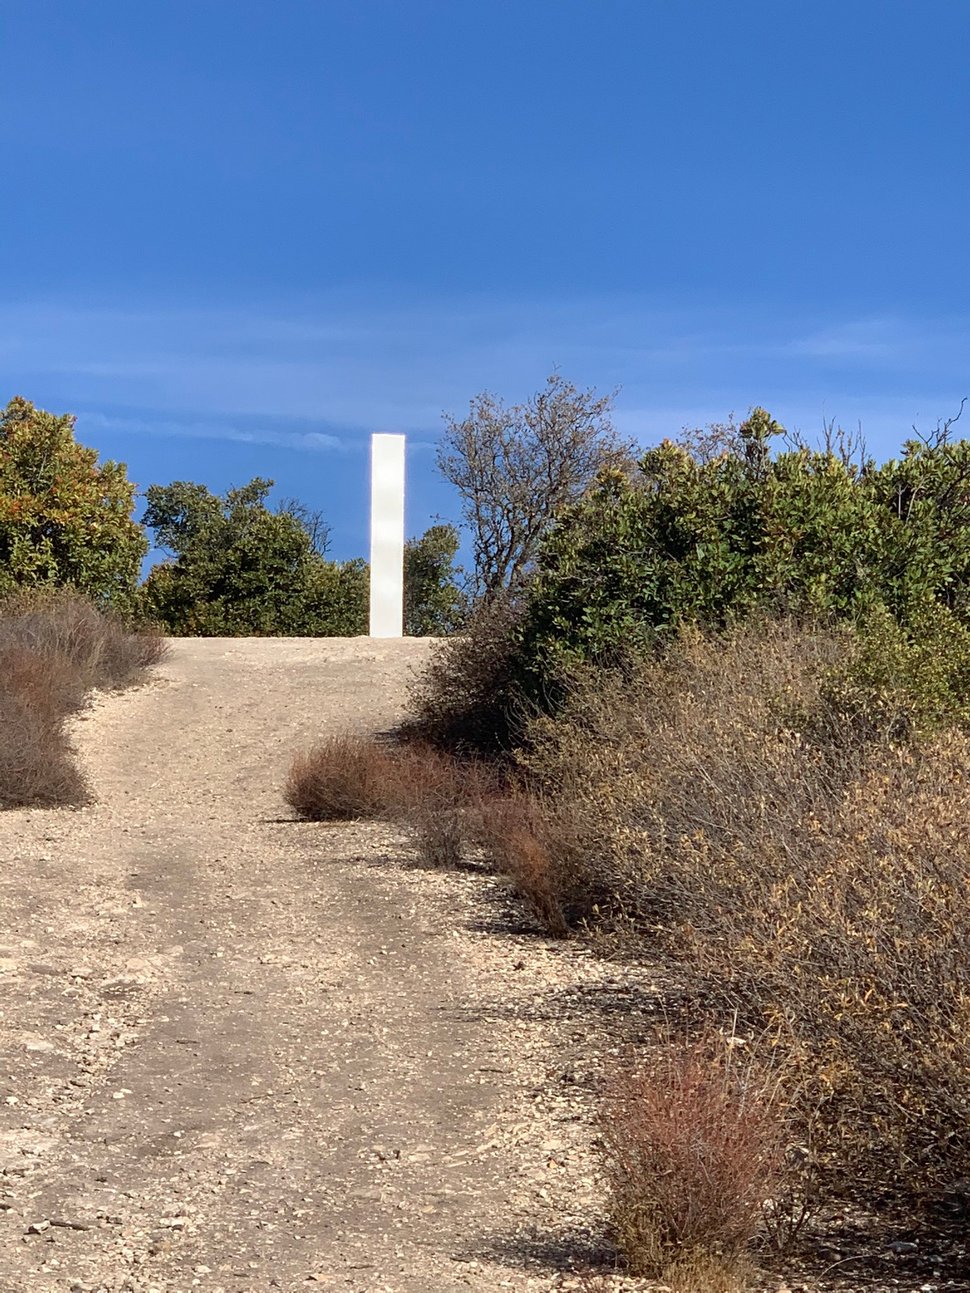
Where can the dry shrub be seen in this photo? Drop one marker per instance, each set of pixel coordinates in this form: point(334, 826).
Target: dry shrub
point(541, 847)
point(439, 800)
point(36, 766)
point(515, 834)
point(54, 647)
point(708, 1273)
point(126, 655)
point(342, 778)
point(701, 1273)
point(814, 885)
point(692, 1150)
point(104, 649)
point(691, 744)
point(859, 961)
point(467, 701)
point(46, 680)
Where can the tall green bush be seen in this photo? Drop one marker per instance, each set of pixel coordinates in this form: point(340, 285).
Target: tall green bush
point(708, 539)
point(434, 604)
point(805, 532)
point(238, 568)
point(65, 517)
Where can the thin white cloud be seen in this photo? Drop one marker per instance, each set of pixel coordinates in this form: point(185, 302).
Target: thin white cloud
point(320, 376)
point(878, 340)
point(315, 441)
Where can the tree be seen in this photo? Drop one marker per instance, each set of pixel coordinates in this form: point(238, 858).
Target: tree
point(434, 604)
point(65, 518)
point(516, 467)
point(318, 530)
point(822, 535)
point(238, 568)
point(813, 533)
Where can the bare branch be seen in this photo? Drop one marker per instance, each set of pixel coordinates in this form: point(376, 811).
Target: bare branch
point(517, 467)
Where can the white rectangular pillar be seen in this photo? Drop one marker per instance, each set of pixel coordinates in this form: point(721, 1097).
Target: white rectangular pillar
point(387, 536)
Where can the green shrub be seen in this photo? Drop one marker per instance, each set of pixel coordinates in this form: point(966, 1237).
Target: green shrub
point(899, 681)
point(65, 518)
point(708, 540)
point(434, 604)
point(238, 568)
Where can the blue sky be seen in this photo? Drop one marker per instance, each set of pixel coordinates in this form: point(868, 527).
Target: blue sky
point(237, 236)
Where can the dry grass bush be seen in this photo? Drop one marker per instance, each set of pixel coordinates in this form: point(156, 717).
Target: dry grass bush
point(818, 887)
point(516, 836)
point(104, 650)
point(54, 647)
point(708, 1273)
point(343, 778)
point(543, 848)
point(692, 1148)
point(466, 700)
point(442, 802)
point(434, 797)
point(36, 767)
point(701, 1273)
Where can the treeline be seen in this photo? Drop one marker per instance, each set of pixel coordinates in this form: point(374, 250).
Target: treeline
point(235, 565)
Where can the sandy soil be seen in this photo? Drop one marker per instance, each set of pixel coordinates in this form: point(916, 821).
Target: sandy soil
point(245, 1053)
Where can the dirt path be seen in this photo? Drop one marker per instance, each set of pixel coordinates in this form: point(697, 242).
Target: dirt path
point(242, 1053)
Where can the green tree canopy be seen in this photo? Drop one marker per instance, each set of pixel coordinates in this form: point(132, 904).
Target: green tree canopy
point(710, 537)
point(65, 518)
point(434, 604)
point(238, 568)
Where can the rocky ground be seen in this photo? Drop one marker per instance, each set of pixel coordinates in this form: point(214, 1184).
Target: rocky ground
point(242, 1053)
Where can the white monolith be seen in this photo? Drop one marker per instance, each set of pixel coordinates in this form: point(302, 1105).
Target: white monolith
point(387, 536)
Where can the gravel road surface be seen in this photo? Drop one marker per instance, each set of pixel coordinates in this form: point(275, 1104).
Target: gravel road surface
point(242, 1053)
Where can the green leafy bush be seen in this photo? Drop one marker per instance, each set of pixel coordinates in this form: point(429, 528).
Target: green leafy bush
point(706, 542)
point(65, 518)
point(434, 604)
point(709, 539)
point(239, 568)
